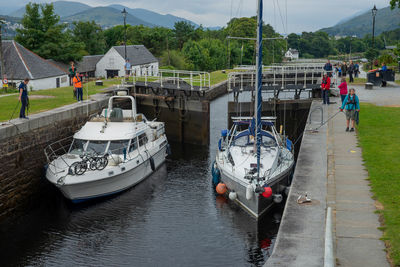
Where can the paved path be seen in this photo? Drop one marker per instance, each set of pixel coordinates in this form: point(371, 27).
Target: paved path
point(355, 223)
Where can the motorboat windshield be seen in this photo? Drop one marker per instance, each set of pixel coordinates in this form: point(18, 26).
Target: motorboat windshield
point(118, 146)
point(77, 146)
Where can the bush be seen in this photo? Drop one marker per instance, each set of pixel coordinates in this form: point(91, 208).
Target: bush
point(174, 59)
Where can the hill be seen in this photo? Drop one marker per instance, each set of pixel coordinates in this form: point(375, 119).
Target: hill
point(386, 20)
point(61, 8)
point(10, 26)
point(153, 17)
point(106, 17)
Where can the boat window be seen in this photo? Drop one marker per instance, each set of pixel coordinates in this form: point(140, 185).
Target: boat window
point(142, 139)
point(244, 140)
point(133, 145)
point(268, 141)
point(77, 146)
point(98, 147)
point(118, 146)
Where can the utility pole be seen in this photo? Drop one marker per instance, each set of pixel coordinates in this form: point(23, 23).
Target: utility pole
point(2, 68)
point(374, 11)
point(124, 14)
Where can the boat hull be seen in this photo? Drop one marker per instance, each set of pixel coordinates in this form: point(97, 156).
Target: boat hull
point(80, 192)
point(257, 205)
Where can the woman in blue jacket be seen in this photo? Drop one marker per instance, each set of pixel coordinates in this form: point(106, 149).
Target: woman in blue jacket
point(351, 104)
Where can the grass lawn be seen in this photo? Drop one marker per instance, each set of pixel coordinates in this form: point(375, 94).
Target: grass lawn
point(379, 133)
point(59, 97)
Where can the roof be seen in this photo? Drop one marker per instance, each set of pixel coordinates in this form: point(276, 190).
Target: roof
point(88, 63)
point(21, 63)
point(137, 54)
point(61, 65)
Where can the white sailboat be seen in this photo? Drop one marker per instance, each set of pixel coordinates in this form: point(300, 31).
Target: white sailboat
point(110, 153)
point(254, 163)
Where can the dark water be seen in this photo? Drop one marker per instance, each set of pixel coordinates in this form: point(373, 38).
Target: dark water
point(173, 218)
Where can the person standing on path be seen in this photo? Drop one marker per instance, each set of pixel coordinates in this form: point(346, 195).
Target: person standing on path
point(352, 105)
point(343, 89)
point(325, 86)
point(328, 68)
point(344, 69)
point(351, 71)
point(72, 72)
point(78, 87)
point(23, 98)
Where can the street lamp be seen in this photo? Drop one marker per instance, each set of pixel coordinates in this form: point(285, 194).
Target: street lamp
point(374, 11)
point(124, 14)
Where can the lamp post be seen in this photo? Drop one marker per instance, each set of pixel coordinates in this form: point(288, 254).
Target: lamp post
point(374, 11)
point(124, 14)
point(2, 69)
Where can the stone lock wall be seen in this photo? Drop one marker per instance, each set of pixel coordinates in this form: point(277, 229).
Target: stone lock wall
point(22, 144)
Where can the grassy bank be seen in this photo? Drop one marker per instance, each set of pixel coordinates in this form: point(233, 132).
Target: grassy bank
point(378, 133)
point(53, 98)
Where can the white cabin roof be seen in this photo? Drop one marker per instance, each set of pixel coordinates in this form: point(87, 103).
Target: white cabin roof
point(113, 131)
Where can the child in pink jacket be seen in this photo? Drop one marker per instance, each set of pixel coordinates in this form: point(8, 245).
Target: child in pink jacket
point(343, 89)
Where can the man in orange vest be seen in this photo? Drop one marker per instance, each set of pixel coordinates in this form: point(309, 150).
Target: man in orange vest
point(78, 87)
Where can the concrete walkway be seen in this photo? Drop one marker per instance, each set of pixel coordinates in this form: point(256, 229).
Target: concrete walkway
point(355, 223)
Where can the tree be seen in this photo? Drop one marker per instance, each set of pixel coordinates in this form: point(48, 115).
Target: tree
point(43, 34)
point(394, 3)
point(115, 35)
point(183, 31)
point(91, 34)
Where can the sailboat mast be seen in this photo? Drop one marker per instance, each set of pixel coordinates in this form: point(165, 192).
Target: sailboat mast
point(258, 101)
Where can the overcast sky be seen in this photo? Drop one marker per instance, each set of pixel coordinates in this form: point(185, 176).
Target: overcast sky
point(302, 15)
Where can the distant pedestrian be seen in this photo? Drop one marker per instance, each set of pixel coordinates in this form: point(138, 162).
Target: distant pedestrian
point(343, 89)
point(23, 98)
point(325, 86)
point(351, 71)
point(72, 72)
point(352, 106)
point(344, 69)
point(328, 68)
point(78, 87)
point(382, 72)
point(356, 70)
point(128, 68)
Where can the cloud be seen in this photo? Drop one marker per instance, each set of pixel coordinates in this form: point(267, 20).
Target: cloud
point(304, 15)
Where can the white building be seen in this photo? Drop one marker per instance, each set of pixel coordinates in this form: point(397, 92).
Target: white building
point(142, 61)
point(292, 54)
point(21, 63)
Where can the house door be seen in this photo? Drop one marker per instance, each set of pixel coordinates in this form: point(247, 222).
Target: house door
point(112, 73)
point(57, 82)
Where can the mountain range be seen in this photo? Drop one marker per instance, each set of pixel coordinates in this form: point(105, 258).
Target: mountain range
point(109, 16)
point(386, 20)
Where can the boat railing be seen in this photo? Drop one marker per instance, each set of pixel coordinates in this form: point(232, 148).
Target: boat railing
point(57, 148)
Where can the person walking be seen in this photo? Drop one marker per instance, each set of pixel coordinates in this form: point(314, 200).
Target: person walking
point(128, 68)
point(328, 68)
point(356, 70)
point(352, 105)
point(351, 71)
point(78, 87)
point(344, 69)
point(325, 86)
point(382, 72)
point(23, 98)
point(343, 89)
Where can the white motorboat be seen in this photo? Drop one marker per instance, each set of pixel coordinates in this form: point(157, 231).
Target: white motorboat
point(110, 153)
point(254, 165)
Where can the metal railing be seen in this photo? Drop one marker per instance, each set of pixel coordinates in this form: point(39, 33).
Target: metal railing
point(180, 78)
point(302, 76)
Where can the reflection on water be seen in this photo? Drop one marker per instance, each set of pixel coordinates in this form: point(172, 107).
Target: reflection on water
point(173, 218)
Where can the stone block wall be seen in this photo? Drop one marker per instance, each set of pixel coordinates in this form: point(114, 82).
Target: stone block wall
point(22, 144)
